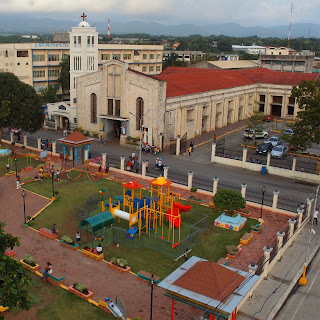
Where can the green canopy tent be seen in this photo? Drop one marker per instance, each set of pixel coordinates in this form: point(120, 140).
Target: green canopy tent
point(97, 222)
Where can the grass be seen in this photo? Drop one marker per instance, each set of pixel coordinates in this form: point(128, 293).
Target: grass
point(22, 162)
point(50, 302)
point(212, 241)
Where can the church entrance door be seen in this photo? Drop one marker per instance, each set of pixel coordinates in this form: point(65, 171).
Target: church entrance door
point(116, 129)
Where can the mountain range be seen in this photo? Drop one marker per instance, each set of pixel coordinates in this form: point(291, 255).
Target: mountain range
point(15, 23)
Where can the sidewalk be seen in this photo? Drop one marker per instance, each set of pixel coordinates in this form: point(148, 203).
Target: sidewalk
point(264, 302)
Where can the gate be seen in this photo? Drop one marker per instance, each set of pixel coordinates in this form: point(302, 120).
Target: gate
point(173, 146)
point(220, 146)
point(184, 144)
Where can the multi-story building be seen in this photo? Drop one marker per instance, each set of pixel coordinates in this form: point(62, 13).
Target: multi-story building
point(184, 55)
point(250, 49)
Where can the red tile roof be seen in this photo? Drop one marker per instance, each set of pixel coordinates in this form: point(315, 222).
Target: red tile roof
point(211, 280)
point(76, 138)
point(184, 81)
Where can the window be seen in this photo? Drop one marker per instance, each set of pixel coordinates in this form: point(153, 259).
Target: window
point(6, 54)
point(75, 41)
point(62, 107)
point(262, 98)
point(39, 73)
point(261, 107)
point(290, 110)
point(39, 88)
point(22, 54)
point(287, 63)
point(53, 57)
point(88, 41)
point(158, 56)
point(18, 63)
point(144, 69)
point(127, 56)
point(300, 63)
point(277, 62)
point(151, 68)
point(277, 99)
point(117, 113)
point(116, 56)
point(151, 56)
point(75, 120)
point(266, 62)
point(136, 53)
point(92, 41)
point(144, 56)
point(139, 113)
point(292, 100)
point(110, 107)
point(79, 41)
point(74, 82)
point(54, 73)
point(170, 118)
point(93, 108)
point(190, 115)
point(158, 68)
point(105, 56)
point(54, 86)
point(27, 63)
point(38, 57)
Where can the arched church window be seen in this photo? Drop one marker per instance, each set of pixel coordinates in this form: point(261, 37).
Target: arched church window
point(139, 112)
point(93, 108)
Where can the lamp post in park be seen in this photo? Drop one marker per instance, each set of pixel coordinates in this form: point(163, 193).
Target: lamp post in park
point(15, 163)
point(24, 207)
point(151, 301)
point(263, 190)
point(140, 119)
point(52, 176)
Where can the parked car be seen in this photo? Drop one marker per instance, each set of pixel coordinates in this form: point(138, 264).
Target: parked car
point(289, 132)
point(268, 118)
point(264, 148)
point(274, 141)
point(279, 151)
point(14, 130)
point(251, 133)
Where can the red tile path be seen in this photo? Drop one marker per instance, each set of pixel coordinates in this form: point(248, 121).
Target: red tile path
point(101, 279)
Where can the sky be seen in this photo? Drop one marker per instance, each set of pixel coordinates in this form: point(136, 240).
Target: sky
point(171, 12)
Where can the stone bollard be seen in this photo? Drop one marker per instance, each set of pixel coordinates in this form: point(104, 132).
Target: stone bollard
point(266, 261)
point(54, 146)
point(215, 186)
point(275, 199)
point(122, 163)
point(190, 177)
point(144, 169)
point(294, 163)
point(55, 124)
point(300, 215)
point(213, 151)
point(292, 222)
point(25, 140)
point(104, 160)
point(86, 154)
point(244, 157)
point(39, 143)
point(252, 267)
point(11, 137)
point(165, 172)
point(243, 189)
point(309, 207)
point(280, 235)
point(268, 159)
point(178, 145)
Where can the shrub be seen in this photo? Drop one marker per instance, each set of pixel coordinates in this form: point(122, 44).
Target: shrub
point(56, 192)
point(95, 135)
point(29, 260)
point(81, 288)
point(136, 318)
point(3, 147)
point(23, 147)
point(193, 189)
point(13, 143)
point(117, 167)
point(119, 262)
point(229, 200)
point(26, 178)
point(68, 240)
point(29, 217)
point(129, 138)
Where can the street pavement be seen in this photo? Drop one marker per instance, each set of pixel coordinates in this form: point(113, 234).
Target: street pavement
point(291, 194)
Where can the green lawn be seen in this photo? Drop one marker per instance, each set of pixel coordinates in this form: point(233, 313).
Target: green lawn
point(50, 302)
point(212, 243)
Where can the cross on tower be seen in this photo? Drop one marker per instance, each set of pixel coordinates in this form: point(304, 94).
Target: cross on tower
point(83, 16)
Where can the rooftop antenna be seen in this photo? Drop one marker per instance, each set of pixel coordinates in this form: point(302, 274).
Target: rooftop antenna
point(109, 36)
point(289, 35)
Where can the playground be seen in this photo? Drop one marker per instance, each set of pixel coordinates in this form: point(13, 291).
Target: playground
point(152, 248)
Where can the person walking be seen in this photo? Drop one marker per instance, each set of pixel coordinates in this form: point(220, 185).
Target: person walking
point(107, 168)
point(315, 217)
point(54, 230)
point(18, 182)
point(147, 165)
point(185, 255)
point(47, 271)
point(58, 174)
point(8, 167)
point(214, 138)
point(78, 237)
point(192, 145)
point(189, 151)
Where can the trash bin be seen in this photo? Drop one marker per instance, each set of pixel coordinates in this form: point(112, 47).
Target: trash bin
point(264, 170)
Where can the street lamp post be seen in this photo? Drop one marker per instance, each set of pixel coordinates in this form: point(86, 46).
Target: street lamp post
point(52, 175)
point(140, 119)
point(24, 207)
point(151, 302)
point(15, 162)
point(263, 190)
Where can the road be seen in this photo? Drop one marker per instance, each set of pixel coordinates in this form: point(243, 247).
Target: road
point(291, 193)
point(303, 304)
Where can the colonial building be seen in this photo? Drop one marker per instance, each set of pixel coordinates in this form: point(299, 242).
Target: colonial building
point(179, 101)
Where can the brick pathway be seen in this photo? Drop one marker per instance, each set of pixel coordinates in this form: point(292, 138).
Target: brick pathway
point(101, 279)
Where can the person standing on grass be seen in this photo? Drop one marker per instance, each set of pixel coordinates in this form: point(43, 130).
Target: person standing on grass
point(18, 182)
point(47, 271)
point(185, 255)
point(58, 174)
point(78, 237)
point(54, 230)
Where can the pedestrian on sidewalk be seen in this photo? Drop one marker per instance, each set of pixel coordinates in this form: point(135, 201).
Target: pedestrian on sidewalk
point(214, 138)
point(192, 145)
point(101, 140)
point(78, 237)
point(18, 182)
point(107, 168)
point(58, 174)
point(47, 271)
point(185, 255)
point(147, 165)
point(315, 217)
point(8, 167)
point(54, 230)
point(189, 151)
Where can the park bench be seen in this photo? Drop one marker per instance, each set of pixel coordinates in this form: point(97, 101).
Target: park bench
point(146, 276)
point(48, 233)
point(97, 257)
point(257, 228)
point(56, 278)
point(233, 251)
point(246, 239)
point(10, 253)
point(104, 306)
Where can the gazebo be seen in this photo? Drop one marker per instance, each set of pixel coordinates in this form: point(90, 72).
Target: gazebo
point(74, 141)
point(215, 289)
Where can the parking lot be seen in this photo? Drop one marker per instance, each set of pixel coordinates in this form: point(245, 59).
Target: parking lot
point(231, 146)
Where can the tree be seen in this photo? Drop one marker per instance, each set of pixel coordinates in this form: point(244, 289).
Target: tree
point(229, 201)
point(224, 46)
point(19, 105)
point(64, 76)
point(307, 128)
point(173, 61)
point(255, 122)
point(13, 280)
point(48, 95)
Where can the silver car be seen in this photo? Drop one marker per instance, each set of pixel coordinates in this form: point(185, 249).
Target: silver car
point(279, 151)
